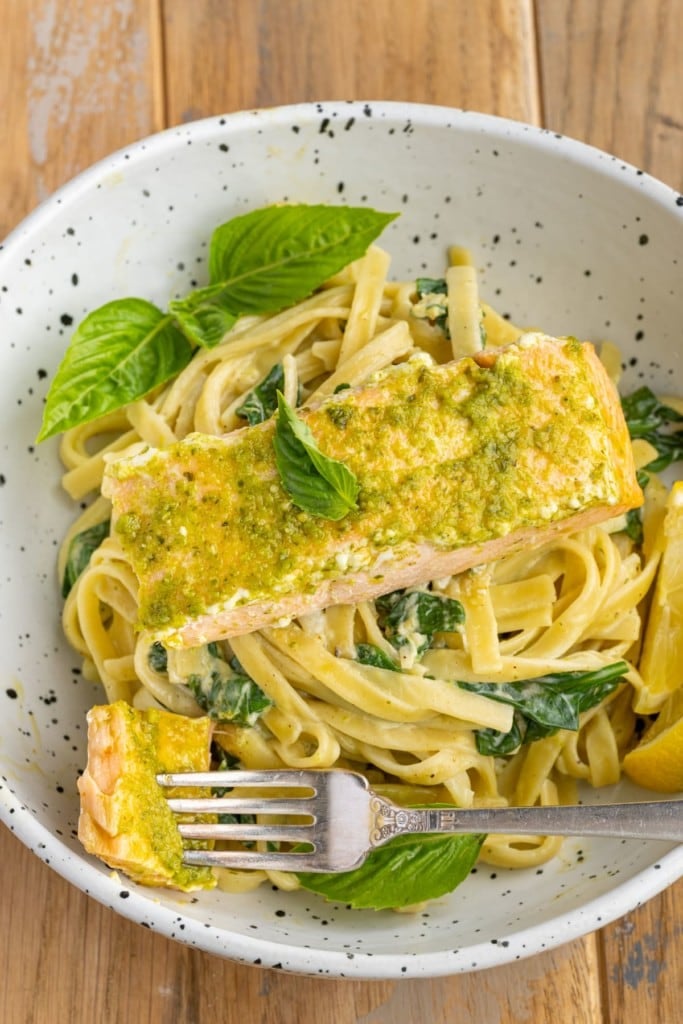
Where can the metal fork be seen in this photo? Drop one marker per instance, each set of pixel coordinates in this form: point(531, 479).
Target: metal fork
point(339, 819)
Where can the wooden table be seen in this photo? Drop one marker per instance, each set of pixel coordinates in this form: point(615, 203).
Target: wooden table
point(79, 78)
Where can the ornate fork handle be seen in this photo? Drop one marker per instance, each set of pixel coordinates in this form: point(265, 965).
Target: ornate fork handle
point(659, 819)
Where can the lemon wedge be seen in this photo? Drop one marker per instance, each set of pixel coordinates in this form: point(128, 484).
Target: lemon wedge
point(661, 661)
point(657, 761)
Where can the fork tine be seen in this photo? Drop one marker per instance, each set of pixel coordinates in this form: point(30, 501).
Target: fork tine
point(322, 816)
point(243, 859)
point(344, 819)
point(240, 805)
point(269, 833)
point(272, 777)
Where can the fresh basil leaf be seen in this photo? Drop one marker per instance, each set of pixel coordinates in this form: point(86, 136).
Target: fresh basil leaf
point(271, 258)
point(648, 418)
point(369, 654)
point(408, 870)
point(414, 616)
point(546, 704)
point(203, 316)
point(119, 353)
point(317, 484)
point(261, 403)
point(259, 263)
point(81, 549)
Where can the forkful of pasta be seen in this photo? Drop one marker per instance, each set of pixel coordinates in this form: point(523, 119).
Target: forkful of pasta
point(331, 820)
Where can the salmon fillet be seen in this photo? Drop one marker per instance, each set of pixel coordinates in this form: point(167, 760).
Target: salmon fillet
point(458, 464)
point(124, 818)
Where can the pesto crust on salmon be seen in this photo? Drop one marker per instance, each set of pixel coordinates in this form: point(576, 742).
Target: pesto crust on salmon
point(458, 464)
point(124, 818)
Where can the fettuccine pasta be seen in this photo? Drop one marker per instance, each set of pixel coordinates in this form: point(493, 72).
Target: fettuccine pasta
point(575, 604)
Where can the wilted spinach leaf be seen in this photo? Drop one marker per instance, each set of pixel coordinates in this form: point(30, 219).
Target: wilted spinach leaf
point(414, 616)
point(648, 418)
point(261, 403)
point(226, 693)
point(369, 654)
point(544, 705)
point(157, 656)
point(81, 549)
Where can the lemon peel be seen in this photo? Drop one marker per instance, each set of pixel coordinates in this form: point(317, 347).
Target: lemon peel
point(661, 661)
point(657, 762)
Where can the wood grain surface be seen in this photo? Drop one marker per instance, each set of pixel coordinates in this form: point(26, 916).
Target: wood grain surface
point(79, 78)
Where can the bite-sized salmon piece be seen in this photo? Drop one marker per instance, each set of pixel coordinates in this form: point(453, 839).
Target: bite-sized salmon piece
point(124, 819)
point(458, 464)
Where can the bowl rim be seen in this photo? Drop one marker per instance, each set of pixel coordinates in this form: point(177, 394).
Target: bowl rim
point(428, 114)
point(105, 887)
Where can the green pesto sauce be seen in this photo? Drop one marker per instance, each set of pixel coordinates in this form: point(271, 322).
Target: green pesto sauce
point(144, 813)
point(442, 455)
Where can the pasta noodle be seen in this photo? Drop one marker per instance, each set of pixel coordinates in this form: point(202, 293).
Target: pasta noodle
point(572, 605)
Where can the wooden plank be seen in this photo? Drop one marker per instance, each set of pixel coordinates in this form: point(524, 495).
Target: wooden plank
point(612, 75)
point(64, 957)
point(450, 52)
point(453, 52)
point(80, 80)
point(643, 961)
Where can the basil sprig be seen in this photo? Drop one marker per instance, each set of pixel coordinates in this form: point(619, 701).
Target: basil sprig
point(271, 258)
point(120, 352)
point(316, 483)
point(408, 870)
point(259, 263)
point(203, 316)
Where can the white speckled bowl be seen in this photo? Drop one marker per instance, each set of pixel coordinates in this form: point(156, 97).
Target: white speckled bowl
point(567, 238)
